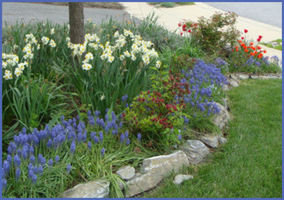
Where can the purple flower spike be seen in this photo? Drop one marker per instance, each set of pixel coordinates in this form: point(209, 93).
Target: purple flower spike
point(139, 136)
point(68, 168)
point(103, 151)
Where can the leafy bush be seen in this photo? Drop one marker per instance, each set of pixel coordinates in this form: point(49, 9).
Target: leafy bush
point(214, 34)
point(157, 115)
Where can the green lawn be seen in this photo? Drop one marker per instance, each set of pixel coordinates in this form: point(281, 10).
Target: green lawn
point(250, 164)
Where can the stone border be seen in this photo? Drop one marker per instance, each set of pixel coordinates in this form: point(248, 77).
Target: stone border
point(155, 169)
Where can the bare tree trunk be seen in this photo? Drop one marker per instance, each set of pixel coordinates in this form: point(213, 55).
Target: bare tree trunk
point(76, 20)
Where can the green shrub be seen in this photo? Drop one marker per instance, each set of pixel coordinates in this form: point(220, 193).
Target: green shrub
point(214, 34)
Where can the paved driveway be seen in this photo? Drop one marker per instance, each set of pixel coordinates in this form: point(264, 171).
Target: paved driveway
point(266, 12)
point(28, 12)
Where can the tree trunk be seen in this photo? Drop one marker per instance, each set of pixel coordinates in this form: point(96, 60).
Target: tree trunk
point(76, 20)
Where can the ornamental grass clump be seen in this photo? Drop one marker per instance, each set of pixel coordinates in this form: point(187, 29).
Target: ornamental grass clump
point(46, 162)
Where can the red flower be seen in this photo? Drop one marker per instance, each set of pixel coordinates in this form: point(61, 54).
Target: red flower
point(260, 36)
point(189, 31)
point(242, 38)
point(246, 30)
point(181, 33)
point(258, 39)
point(179, 24)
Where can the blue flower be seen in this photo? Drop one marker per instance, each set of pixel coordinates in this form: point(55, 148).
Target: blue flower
point(179, 137)
point(96, 139)
point(124, 98)
point(103, 151)
point(97, 113)
point(139, 136)
point(49, 143)
point(90, 145)
point(17, 160)
point(57, 159)
point(68, 168)
point(32, 159)
point(101, 136)
point(41, 159)
point(34, 178)
point(127, 141)
point(126, 134)
point(4, 183)
point(122, 137)
point(73, 147)
point(50, 162)
point(6, 167)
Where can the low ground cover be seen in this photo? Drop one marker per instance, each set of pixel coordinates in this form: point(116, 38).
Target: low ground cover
point(129, 92)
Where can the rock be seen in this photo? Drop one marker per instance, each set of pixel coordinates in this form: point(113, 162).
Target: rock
point(142, 183)
point(126, 172)
point(233, 83)
point(222, 140)
point(234, 77)
point(222, 117)
point(165, 164)
point(181, 178)
point(210, 140)
point(225, 87)
point(225, 100)
point(154, 170)
point(243, 76)
point(93, 189)
point(195, 150)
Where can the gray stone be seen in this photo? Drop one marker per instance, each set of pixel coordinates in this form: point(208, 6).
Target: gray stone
point(93, 189)
point(154, 170)
point(210, 140)
point(243, 76)
point(126, 172)
point(221, 118)
point(195, 150)
point(225, 100)
point(234, 77)
point(233, 83)
point(166, 163)
point(225, 87)
point(142, 183)
point(222, 140)
point(181, 178)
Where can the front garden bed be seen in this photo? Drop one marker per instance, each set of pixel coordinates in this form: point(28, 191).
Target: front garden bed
point(78, 113)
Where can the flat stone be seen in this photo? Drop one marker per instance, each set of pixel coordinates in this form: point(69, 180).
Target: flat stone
point(153, 170)
point(225, 87)
point(126, 172)
point(142, 183)
point(243, 76)
point(195, 150)
point(233, 83)
point(222, 140)
point(221, 118)
point(210, 140)
point(181, 178)
point(166, 163)
point(93, 189)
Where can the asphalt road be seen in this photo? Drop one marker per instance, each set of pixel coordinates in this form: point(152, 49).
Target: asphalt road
point(266, 12)
point(26, 12)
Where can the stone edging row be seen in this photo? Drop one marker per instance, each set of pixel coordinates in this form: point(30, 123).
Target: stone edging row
point(155, 169)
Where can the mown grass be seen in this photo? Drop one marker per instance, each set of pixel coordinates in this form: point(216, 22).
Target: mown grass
point(249, 165)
